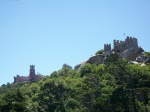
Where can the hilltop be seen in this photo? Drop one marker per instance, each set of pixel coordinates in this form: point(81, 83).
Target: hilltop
point(127, 49)
point(106, 84)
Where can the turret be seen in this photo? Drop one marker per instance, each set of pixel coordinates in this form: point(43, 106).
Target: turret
point(32, 73)
point(114, 43)
point(107, 47)
point(131, 42)
point(135, 42)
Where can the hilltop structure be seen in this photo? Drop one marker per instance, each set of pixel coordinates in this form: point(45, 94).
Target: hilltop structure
point(31, 77)
point(127, 49)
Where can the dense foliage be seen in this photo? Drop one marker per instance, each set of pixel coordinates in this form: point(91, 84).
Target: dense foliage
point(114, 86)
point(147, 53)
point(99, 52)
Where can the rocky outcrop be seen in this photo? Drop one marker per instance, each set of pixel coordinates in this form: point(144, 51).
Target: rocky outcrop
point(97, 59)
point(143, 59)
point(131, 53)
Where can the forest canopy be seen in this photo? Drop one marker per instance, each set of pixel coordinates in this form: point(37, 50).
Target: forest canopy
point(114, 86)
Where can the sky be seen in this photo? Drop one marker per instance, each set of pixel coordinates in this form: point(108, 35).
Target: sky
point(50, 33)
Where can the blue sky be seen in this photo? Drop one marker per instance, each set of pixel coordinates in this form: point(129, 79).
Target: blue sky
point(49, 33)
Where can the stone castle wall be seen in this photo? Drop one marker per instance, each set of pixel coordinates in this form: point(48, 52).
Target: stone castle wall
point(129, 42)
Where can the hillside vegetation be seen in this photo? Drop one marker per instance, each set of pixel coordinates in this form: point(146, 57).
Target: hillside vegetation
point(114, 86)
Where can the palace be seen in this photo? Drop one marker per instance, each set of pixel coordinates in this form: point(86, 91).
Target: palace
point(31, 77)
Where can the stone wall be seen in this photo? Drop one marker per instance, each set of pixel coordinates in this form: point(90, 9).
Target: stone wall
point(120, 46)
point(21, 79)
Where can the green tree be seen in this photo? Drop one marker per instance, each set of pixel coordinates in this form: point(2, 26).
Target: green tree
point(147, 53)
point(87, 68)
point(120, 101)
point(53, 96)
point(13, 101)
point(89, 90)
point(99, 52)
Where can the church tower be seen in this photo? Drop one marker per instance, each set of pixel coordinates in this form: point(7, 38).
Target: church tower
point(32, 76)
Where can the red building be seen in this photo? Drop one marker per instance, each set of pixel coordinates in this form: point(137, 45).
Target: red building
point(31, 77)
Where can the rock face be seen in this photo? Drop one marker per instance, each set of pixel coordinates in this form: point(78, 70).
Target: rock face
point(98, 59)
point(127, 49)
point(143, 59)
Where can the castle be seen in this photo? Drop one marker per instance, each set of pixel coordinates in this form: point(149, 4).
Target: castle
point(128, 43)
point(127, 49)
point(31, 77)
point(120, 46)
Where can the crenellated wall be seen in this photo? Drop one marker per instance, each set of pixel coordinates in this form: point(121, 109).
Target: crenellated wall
point(129, 42)
point(107, 47)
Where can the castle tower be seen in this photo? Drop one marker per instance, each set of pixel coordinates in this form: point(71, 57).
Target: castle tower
point(107, 47)
point(32, 76)
point(135, 41)
point(131, 42)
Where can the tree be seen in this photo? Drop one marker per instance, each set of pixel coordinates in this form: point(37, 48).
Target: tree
point(13, 101)
point(147, 53)
point(65, 70)
point(54, 74)
point(116, 66)
point(89, 90)
point(53, 96)
point(99, 52)
point(120, 100)
point(87, 68)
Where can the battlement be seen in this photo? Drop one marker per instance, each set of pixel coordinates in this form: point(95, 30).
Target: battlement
point(118, 42)
point(32, 66)
point(131, 40)
point(107, 47)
